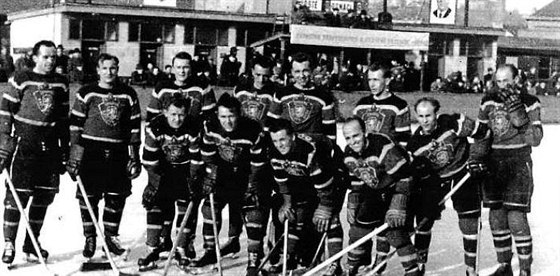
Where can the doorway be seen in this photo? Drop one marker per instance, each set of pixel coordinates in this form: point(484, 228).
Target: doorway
point(90, 53)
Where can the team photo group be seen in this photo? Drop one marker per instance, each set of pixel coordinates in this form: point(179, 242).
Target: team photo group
point(270, 154)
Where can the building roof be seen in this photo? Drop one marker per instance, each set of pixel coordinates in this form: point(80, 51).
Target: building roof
point(8, 6)
point(537, 46)
point(550, 10)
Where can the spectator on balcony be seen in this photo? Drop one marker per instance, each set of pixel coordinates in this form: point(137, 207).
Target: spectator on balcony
point(475, 85)
point(300, 14)
point(229, 71)
point(25, 62)
point(333, 18)
point(349, 19)
point(437, 86)
point(61, 59)
point(6, 64)
point(542, 90)
point(489, 75)
point(556, 89)
point(75, 66)
point(138, 77)
point(363, 21)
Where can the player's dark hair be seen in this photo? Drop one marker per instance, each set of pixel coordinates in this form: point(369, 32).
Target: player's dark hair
point(178, 100)
point(511, 68)
point(385, 69)
point(262, 61)
point(281, 124)
point(432, 101)
point(181, 55)
point(301, 57)
point(46, 43)
point(356, 118)
point(103, 57)
point(229, 102)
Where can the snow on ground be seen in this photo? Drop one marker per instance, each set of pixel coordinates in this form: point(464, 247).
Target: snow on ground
point(62, 232)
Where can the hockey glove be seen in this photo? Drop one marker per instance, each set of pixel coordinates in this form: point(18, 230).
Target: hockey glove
point(286, 212)
point(421, 168)
point(209, 182)
point(149, 196)
point(516, 109)
point(63, 162)
point(321, 219)
point(477, 168)
point(7, 148)
point(396, 215)
point(133, 167)
point(75, 160)
point(251, 200)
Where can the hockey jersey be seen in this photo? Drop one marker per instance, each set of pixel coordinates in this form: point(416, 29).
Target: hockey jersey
point(106, 116)
point(203, 101)
point(36, 107)
point(310, 110)
point(389, 116)
point(307, 171)
point(506, 135)
point(446, 149)
point(255, 103)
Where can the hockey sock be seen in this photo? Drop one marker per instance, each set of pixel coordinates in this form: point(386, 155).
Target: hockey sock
point(37, 212)
point(382, 247)
point(522, 235)
point(361, 254)
point(154, 219)
point(12, 214)
point(469, 228)
point(235, 219)
point(399, 239)
point(334, 237)
point(112, 214)
point(207, 228)
point(254, 223)
point(422, 240)
point(501, 235)
point(190, 228)
point(87, 222)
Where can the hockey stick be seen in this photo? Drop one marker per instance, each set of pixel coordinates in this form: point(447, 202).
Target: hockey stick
point(323, 238)
point(423, 221)
point(99, 231)
point(176, 242)
point(478, 242)
point(350, 247)
point(265, 260)
point(216, 237)
point(26, 219)
point(285, 253)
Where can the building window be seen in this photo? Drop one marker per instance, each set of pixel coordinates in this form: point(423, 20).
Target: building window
point(93, 29)
point(437, 46)
point(255, 36)
point(240, 40)
point(150, 32)
point(133, 31)
point(223, 35)
point(206, 36)
point(169, 33)
point(463, 47)
point(449, 47)
point(189, 34)
point(112, 31)
point(75, 27)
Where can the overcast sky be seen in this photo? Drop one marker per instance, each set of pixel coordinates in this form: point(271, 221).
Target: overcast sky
point(525, 6)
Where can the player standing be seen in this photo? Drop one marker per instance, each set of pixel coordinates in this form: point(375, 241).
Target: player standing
point(33, 120)
point(514, 119)
point(105, 138)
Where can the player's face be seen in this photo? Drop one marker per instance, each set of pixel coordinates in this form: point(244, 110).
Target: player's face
point(354, 136)
point(302, 73)
point(261, 76)
point(282, 141)
point(175, 116)
point(108, 71)
point(376, 82)
point(426, 116)
point(504, 78)
point(181, 69)
point(227, 118)
point(44, 60)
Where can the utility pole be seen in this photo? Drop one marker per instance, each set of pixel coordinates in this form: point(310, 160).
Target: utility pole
point(466, 13)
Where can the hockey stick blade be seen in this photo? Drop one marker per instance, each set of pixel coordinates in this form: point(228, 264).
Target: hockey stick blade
point(95, 266)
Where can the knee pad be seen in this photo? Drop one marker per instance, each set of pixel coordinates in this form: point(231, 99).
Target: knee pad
point(9, 200)
point(518, 223)
point(115, 201)
point(43, 198)
point(468, 226)
point(398, 238)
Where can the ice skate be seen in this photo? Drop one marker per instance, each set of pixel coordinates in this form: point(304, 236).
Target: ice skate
point(503, 270)
point(206, 263)
point(333, 270)
point(9, 253)
point(114, 245)
point(150, 261)
point(182, 257)
point(230, 248)
point(253, 264)
point(89, 247)
point(525, 272)
point(31, 255)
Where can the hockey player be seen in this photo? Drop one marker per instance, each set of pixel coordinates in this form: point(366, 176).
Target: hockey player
point(305, 169)
point(203, 101)
point(441, 158)
point(172, 159)
point(256, 95)
point(233, 156)
point(105, 139)
point(382, 112)
point(381, 181)
point(514, 119)
point(33, 118)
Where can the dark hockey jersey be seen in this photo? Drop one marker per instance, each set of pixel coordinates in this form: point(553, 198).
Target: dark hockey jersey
point(389, 116)
point(381, 165)
point(255, 103)
point(446, 149)
point(107, 116)
point(239, 151)
point(203, 101)
point(36, 106)
point(307, 171)
point(310, 110)
point(505, 135)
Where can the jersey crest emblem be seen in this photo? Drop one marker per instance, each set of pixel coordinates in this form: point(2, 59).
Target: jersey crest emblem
point(109, 110)
point(44, 98)
point(194, 107)
point(294, 168)
point(300, 109)
point(373, 118)
point(500, 121)
point(363, 171)
point(173, 149)
point(253, 107)
point(228, 151)
point(440, 154)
